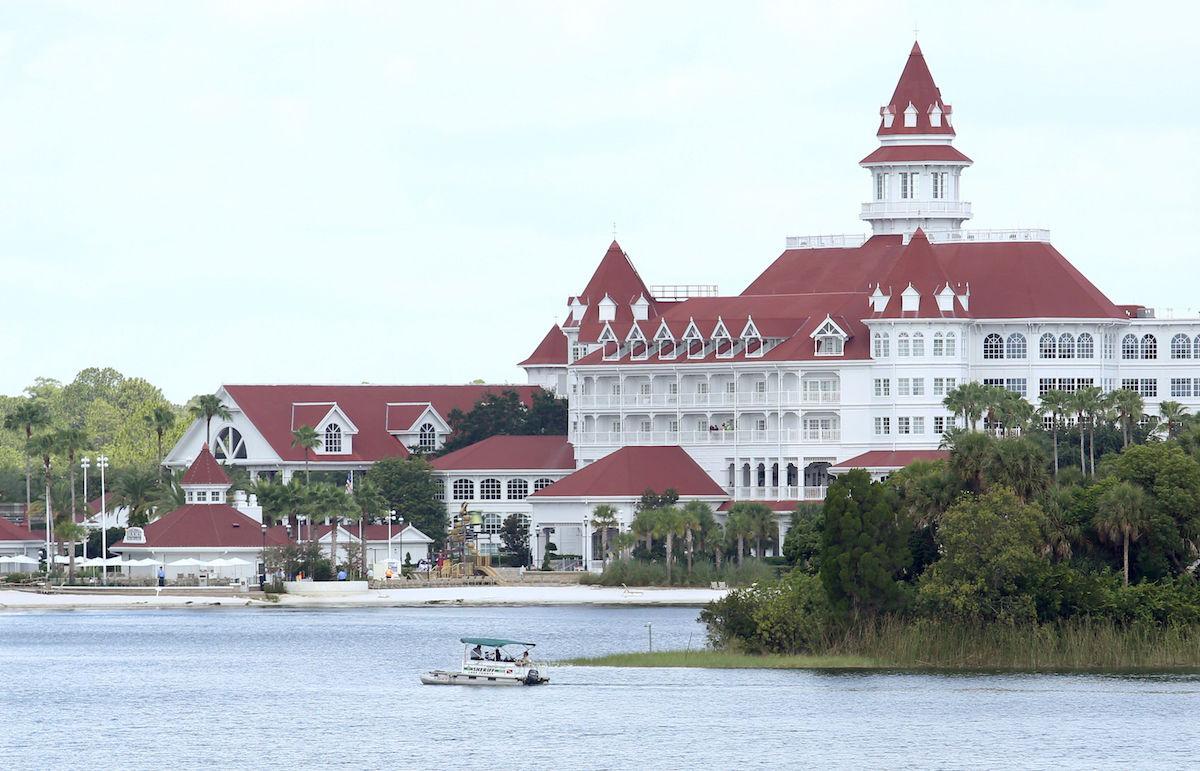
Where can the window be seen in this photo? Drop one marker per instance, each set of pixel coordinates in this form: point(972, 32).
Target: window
point(702, 387)
point(918, 425)
point(1145, 386)
point(903, 386)
point(939, 424)
point(191, 496)
point(918, 386)
point(645, 427)
point(939, 344)
point(1016, 385)
point(673, 426)
point(951, 344)
point(909, 184)
point(673, 389)
point(883, 386)
point(943, 385)
point(1109, 345)
point(1196, 347)
point(541, 484)
point(492, 523)
point(1066, 346)
point(1015, 346)
point(880, 186)
point(731, 387)
point(615, 389)
point(463, 490)
point(616, 426)
point(881, 345)
point(918, 344)
point(883, 426)
point(201, 496)
point(830, 345)
point(993, 347)
point(1047, 348)
point(902, 346)
point(229, 445)
point(517, 489)
point(760, 386)
point(1181, 347)
point(644, 389)
point(938, 180)
point(427, 438)
point(1181, 386)
point(903, 425)
point(489, 490)
point(1085, 347)
point(1129, 347)
point(333, 438)
point(1149, 347)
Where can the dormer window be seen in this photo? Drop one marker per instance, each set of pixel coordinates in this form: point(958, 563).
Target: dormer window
point(910, 300)
point(639, 350)
point(910, 116)
point(888, 117)
point(427, 438)
point(935, 116)
point(640, 308)
point(608, 309)
point(333, 438)
point(829, 338)
point(693, 342)
point(722, 343)
point(201, 496)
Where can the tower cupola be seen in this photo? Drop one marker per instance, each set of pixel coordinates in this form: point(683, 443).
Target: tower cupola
point(205, 481)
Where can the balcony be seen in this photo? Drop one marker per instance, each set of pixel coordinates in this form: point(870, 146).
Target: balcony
point(716, 436)
point(777, 493)
point(838, 241)
point(992, 236)
point(711, 399)
point(911, 209)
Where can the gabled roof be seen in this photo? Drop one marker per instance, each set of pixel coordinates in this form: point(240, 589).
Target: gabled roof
point(617, 279)
point(909, 153)
point(10, 532)
point(376, 532)
point(204, 471)
point(916, 87)
point(207, 526)
point(511, 452)
point(888, 460)
point(401, 418)
point(916, 266)
point(269, 408)
point(551, 351)
point(630, 471)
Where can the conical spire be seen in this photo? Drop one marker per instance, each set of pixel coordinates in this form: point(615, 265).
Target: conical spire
point(205, 471)
point(917, 90)
point(616, 277)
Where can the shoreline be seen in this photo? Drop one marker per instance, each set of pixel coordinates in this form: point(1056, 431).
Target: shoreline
point(14, 600)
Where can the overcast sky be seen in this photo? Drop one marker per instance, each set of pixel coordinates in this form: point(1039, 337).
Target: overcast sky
point(199, 193)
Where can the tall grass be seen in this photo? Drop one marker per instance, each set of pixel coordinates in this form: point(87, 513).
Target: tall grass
point(654, 573)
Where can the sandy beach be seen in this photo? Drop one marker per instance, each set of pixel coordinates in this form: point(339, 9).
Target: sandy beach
point(460, 596)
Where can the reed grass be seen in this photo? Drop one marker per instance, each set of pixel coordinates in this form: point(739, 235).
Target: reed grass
point(707, 658)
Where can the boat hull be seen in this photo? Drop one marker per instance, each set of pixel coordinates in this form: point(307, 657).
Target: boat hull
point(439, 677)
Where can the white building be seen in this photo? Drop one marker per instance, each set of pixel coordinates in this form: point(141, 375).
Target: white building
point(17, 541)
point(401, 542)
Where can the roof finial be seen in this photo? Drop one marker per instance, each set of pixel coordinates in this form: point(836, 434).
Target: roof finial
point(614, 230)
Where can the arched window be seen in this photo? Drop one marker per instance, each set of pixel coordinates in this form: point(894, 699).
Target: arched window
point(427, 438)
point(1047, 349)
point(880, 345)
point(333, 438)
point(541, 484)
point(1085, 346)
point(902, 348)
point(939, 344)
point(1066, 346)
point(951, 344)
point(489, 490)
point(760, 475)
point(918, 344)
point(229, 445)
point(518, 489)
point(1149, 347)
point(993, 347)
point(1181, 347)
point(464, 490)
point(1196, 348)
point(1129, 347)
point(1015, 346)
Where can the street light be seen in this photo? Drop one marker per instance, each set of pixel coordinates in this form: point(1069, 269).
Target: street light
point(587, 543)
point(102, 464)
point(85, 463)
point(391, 514)
point(262, 577)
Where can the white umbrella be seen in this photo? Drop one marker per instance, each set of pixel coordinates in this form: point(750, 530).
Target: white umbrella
point(228, 562)
point(189, 562)
point(19, 559)
point(145, 562)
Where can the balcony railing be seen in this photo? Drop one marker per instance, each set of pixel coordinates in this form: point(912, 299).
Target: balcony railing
point(711, 399)
point(840, 240)
point(777, 493)
point(716, 436)
point(967, 236)
point(909, 208)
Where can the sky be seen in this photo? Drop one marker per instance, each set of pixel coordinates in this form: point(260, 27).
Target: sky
point(201, 193)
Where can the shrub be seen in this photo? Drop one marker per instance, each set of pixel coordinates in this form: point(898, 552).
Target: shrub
point(793, 616)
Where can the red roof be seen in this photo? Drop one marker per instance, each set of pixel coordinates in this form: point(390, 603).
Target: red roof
point(916, 87)
point(212, 525)
point(269, 408)
point(11, 532)
point(205, 470)
point(630, 471)
point(552, 349)
point(889, 459)
point(905, 153)
point(617, 279)
point(309, 415)
point(400, 417)
point(511, 452)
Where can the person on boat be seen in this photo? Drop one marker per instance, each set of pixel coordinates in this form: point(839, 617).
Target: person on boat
point(477, 653)
point(524, 660)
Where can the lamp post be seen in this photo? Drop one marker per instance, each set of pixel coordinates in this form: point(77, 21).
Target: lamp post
point(587, 543)
point(85, 463)
point(102, 464)
point(391, 514)
point(262, 577)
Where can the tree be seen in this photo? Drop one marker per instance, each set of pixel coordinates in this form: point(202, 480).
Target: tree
point(991, 561)
point(206, 407)
point(1083, 403)
point(697, 518)
point(409, 487)
point(306, 438)
point(1122, 516)
point(1017, 463)
point(738, 526)
point(970, 456)
point(802, 545)
point(1054, 404)
point(1090, 400)
point(547, 415)
point(137, 490)
point(1173, 413)
point(604, 518)
point(759, 523)
point(370, 504)
point(645, 525)
point(1171, 479)
point(864, 546)
point(160, 420)
point(72, 532)
point(45, 445)
point(493, 414)
point(70, 442)
point(1130, 408)
point(969, 400)
point(28, 415)
point(667, 525)
point(514, 537)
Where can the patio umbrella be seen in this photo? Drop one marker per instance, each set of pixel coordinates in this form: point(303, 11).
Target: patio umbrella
point(19, 559)
point(144, 562)
point(189, 562)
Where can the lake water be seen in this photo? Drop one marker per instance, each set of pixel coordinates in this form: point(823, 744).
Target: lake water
point(280, 688)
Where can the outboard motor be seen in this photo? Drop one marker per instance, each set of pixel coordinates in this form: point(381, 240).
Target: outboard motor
point(532, 677)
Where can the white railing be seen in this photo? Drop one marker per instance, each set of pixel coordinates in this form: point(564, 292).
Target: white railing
point(675, 292)
point(777, 493)
point(711, 399)
point(969, 236)
point(822, 434)
point(881, 209)
point(842, 240)
point(712, 436)
point(822, 397)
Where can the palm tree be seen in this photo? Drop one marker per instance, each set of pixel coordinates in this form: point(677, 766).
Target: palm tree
point(206, 407)
point(715, 538)
point(1083, 402)
point(697, 518)
point(604, 517)
point(1054, 404)
point(72, 532)
point(330, 502)
point(307, 438)
point(970, 456)
point(370, 504)
point(160, 420)
point(29, 414)
point(739, 525)
point(969, 400)
point(1122, 514)
point(667, 524)
point(137, 489)
point(70, 441)
point(1018, 463)
point(45, 445)
point(1091, 400)
point(1130, 407)
point(1173, 413)
point(644, 526)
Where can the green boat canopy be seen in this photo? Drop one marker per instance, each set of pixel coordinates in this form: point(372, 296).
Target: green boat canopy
point(493, 642)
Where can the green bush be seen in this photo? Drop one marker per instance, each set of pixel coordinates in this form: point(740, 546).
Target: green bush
point(635, 572)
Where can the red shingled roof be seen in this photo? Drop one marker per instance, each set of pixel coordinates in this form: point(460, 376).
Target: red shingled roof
point(616, 278)
point(905, 153)
point(400, 417)
point(889, 459)
point(511, 452)
point(552, 349)
point(269, 408)
point(309, 415)
point(205, 470)
point(207, 526)
point(630, 471)
point(916, 87)
point(10, 532)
